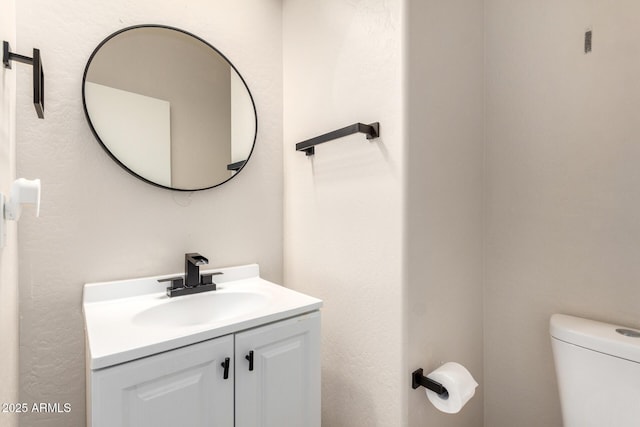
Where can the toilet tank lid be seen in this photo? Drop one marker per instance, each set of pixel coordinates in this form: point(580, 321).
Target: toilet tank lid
point(597, 336)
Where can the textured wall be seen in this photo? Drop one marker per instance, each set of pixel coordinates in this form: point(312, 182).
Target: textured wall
point(444, 198)
point(561, 206)
point(563, 188)
point(98, 222)
point(343, 207)
point(8, 254)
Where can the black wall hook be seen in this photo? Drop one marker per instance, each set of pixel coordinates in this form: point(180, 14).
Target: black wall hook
point(418, 379)
point(38, 73)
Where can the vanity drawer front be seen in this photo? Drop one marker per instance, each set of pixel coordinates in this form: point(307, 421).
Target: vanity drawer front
point(191, 391)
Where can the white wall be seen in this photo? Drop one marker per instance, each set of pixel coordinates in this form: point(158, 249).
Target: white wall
point(8, 254)
point(99, 223)
point(387, 232)
point(444, 198)
point(344, 206)
point(563, 188)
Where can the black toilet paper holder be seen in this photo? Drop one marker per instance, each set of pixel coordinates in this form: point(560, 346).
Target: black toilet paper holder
point(418, 379)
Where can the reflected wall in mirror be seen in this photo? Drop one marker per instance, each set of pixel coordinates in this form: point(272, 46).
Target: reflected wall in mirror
point(169, 107)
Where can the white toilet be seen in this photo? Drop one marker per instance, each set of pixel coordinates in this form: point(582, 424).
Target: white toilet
point(598, 372)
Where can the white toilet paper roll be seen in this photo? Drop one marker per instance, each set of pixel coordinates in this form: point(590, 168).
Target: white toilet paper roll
point(458, 382)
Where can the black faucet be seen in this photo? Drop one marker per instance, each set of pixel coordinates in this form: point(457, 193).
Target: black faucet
point(192, 263)
point(193, 282)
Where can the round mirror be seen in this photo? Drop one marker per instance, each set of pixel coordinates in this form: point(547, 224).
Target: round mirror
point(169, 107)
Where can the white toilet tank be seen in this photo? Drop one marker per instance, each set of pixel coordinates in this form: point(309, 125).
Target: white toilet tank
point(598, 372)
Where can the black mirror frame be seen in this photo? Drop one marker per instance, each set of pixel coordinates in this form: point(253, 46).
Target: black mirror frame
point(113, 157)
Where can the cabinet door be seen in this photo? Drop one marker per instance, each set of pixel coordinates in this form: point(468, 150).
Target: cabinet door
point(183, 387)
point(283, 389)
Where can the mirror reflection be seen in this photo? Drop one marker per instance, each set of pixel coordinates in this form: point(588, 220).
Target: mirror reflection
point(169, 107)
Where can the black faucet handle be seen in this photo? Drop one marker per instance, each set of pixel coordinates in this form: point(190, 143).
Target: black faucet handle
point(176, 282)
point(207, 279)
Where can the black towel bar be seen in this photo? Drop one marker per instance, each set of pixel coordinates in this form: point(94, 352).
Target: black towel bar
point(372, 131)
point(236, 166)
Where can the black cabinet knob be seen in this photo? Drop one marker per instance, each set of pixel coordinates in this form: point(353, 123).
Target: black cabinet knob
point(249, 357)
point(225, 365)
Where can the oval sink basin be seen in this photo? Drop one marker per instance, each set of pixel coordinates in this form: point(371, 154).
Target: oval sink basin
point(201, 308)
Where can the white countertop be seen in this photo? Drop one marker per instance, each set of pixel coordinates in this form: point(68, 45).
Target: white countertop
point(115, 336)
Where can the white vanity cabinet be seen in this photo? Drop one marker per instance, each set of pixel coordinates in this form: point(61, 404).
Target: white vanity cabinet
point(186, 386)
point(159, 361)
